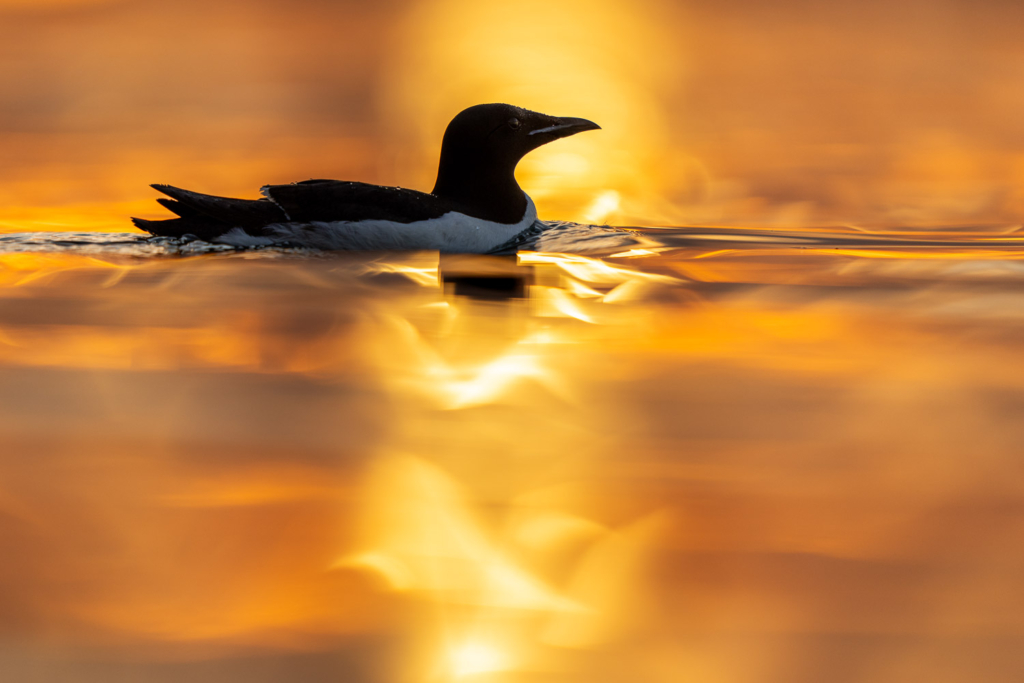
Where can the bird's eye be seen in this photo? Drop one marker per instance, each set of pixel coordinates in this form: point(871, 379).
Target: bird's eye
point(514, 124)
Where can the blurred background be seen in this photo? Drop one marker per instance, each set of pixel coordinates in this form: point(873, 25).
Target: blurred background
point(793, 113)
point(718, 455)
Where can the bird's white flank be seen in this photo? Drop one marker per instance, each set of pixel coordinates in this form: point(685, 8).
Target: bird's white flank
point(452, 232)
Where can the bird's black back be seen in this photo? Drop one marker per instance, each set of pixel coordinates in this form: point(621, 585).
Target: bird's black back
point(310, 201)
point(339, 200)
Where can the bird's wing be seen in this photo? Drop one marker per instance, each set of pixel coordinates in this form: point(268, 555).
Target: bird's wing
point(209, 217)
point(336, 200)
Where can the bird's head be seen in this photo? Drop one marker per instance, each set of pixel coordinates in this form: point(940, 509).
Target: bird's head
point(483, 144)
point(503, 133)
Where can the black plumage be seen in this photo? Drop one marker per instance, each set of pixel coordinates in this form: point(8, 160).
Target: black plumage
point(476, 178)
point(333, 200)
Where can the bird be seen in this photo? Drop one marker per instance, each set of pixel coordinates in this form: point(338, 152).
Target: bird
point(476, 205)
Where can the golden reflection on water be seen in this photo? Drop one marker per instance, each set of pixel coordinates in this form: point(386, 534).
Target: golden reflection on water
point(702, 464)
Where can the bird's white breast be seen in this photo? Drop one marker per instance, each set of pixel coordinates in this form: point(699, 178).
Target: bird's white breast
point(452, 232)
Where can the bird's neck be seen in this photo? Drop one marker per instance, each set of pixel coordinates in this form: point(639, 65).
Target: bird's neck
point(482, 191)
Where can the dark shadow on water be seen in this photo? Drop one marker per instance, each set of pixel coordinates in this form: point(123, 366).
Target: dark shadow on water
point(489, 278)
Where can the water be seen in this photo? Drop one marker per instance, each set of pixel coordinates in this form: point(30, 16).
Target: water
point(711, 455)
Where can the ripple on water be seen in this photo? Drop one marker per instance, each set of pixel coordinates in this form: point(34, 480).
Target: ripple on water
point(554, 236)
point(677, 452)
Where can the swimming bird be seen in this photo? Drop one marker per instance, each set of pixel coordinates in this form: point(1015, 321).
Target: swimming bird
point(476, 204)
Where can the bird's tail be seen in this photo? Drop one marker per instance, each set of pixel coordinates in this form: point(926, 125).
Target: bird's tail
point(179, 227)
point(208, 217)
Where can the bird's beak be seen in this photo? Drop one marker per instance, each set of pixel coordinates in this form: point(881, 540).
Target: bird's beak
point(556, 128)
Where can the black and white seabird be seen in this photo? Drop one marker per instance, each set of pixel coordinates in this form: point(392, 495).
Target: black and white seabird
point(475, 206)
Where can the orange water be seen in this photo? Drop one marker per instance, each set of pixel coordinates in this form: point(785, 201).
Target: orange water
point(699, 463)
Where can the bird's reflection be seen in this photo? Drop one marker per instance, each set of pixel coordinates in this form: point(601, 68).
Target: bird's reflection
point(485, 278)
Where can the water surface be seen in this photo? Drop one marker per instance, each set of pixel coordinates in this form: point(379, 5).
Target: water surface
point(711, 455)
